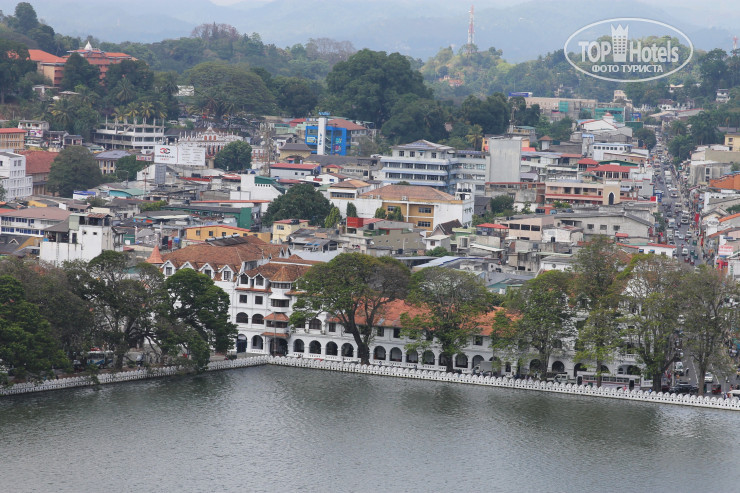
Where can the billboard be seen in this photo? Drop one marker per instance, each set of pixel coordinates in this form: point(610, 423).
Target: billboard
point(725, 250)
point(187, 156)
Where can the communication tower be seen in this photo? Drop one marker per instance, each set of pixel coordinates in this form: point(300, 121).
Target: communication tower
point(471, 31)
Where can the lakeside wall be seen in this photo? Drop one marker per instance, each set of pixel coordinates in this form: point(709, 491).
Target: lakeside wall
point(388, 371)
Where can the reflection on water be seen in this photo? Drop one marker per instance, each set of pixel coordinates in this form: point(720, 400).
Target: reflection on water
point(289, 429)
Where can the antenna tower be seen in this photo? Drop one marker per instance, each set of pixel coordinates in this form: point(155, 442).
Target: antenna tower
point(471, 31)
point(734, 43)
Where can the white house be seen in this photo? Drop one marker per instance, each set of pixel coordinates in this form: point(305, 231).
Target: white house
point(80, 237)
point(13, 176)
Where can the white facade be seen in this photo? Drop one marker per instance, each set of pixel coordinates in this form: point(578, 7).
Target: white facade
point(442, 212)
point(255, 187)
point(82, 237)
point(13, 176)
point(599, 149)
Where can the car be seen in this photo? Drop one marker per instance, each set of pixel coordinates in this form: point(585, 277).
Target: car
point(684, 388)
point(678, 367)
point(708, 377)
point(679, 236)
point(685, 251)
point(688, 235)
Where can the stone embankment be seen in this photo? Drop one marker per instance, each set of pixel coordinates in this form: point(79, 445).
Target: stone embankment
point(387, 371)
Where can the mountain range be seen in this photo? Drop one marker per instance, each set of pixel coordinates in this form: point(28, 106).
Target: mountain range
point(523, 29)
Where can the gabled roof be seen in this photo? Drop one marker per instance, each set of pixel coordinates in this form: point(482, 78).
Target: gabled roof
point(219, 256)
point(346, 124)
point(44, 57)
point(53, 213)
point(38, 162)
point(448, 226)
point(424, 145)
point(350, 184)
point(491, 226)
point(281, 271)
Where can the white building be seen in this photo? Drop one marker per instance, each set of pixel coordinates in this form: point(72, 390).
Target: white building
point(135, 135)
point(13, 176)
point(80, 237)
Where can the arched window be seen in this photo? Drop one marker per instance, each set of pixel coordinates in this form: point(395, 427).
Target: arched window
point(605, 369)
point(314, 324)
point(241, 343)
point(379, 353)
point(427, 358)
point(396, 355)
point(348, 351)
point(558, 367)
point(298, 346)
point(442, 360)
point(478, 359)
point(242, 318)
point(412, 357)
point(461, 361)
point(314, 347)
point(257, 342)
point(331, 349)
point(258, 319)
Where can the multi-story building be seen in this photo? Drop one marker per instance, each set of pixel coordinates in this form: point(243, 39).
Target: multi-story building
point(424, 207)
point(340, 136)
point(16, 183)
point(36, 132)
point(12, 139)
point(31, 221)
point(107, 161)
point(420, 163)
point(293, 171)
point(134, 136)
point(99, 58)
point(80, 237)
point(580, 192)
point(48, 65)
point(345, 192)
point(209, 139)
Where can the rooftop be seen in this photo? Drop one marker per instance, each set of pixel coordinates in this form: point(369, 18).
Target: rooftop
point(411, 192)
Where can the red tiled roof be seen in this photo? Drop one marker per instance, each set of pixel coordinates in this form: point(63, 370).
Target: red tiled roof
point(155, 257)
point(613, 168)
point(346, 124)
point(731, 216)
point(411, 192)
point(294, 166)
point(278, 317)
point(546, 137)
point(662, 245)
point(12, 131)
point(491, 225)
point(44, 57)
point(38, 162)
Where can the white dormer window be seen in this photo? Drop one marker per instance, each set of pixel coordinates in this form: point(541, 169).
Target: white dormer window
point(226, 275)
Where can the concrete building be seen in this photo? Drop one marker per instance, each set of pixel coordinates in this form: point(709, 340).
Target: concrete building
point(80, 237)
point(48, 65)
point(616, 224)
point(527, 226)
point(107, 161)
point(99, 58)
point(31, 221)
point(36, 132)
point(420, 163)
point(345, 192)
point(13, 139)
point(13, 177)
point(137, 135)
point(425, 207)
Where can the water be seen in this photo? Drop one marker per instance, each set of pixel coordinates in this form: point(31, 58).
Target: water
point(288, 429)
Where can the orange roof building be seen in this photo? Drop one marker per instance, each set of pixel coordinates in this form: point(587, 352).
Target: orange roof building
point(48, 65)
point(99, 58)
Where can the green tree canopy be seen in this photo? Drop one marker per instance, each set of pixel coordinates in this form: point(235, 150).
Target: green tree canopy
point(128, 166)
point(356, 289)
point(301, 201)
point(294, 95)
point(450, 306)
point(73, 169)
point(369, 84)
point(333, 218)
point(502, 204)
point(492, 113)
point(414, 118)
point(26, 342)
point(14, 65)
point(646, 136)
point(235, 156)
point(351, 210)
point(78, 71)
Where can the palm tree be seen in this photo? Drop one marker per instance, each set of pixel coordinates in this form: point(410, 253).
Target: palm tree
point(62, 111)
point(124, 91)
point(146, 109)
point(131, 110)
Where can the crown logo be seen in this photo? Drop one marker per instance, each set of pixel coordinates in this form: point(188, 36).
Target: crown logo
point(619, 43)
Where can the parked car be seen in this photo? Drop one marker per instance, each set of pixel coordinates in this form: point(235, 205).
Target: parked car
point(684, 388)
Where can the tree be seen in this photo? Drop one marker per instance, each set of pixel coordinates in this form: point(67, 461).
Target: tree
point(449, 305)
point(333, 218)
point(439, 251)
point(680, 147)
point(355, 289)
point(299, 202)
point(48, 288)
point(25, 17)
point(294, 95)
point(414, 119)
point(710, 315)
point(73, 169)
point(369, 83)
point(78, 71)
point(492, 113)
point(235, 156)
point(380, 213)
point(223, 89)
point(395, 215)
point(14, 65)
point(123, 306)
point(26, 342)
point(652, 305)
point(543, 316)
point(128, 166)
point(351, 210)
point(502, 204)
point(196, 302)
point(646, 136)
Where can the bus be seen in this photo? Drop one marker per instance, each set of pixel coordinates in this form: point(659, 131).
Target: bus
point(627, 382)
point(98, 357)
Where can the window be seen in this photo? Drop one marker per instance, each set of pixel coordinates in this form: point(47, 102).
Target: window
point(616, 227)
point(210, 233)
point(259, 281)
point(208, 272)
point(197, 232)
point(226, 275)
point(391, 208)
point(381, 331)
point(425, 210)
point(478, 340)
point(412, 154)
point(258, 300)
point(168, 271)
point(242, 318)
point(434, 155)
point(396, 333)
point(243, 298)
point(602, 227)
point(424, 224)
point(589, 226)
point(280, 303)
point(332, 327)
point(401, 153)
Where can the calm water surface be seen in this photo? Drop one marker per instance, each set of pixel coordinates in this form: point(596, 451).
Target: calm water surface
point(287, 429)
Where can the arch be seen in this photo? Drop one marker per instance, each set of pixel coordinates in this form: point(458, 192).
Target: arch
point(241, 343)
point(427, 358)
point(314, 324)
point(299, 346)
point(577, 368)
point(258, 319)
point(242, 318)
point(507, 367)
point(477, 359)
point(633, 370)
point(348, 350)
point(314, 347)
point(558, 367)
point(412, 357)
point(461, 360)
point(611, 198)
point(605, 369)
point(278, 346)
point(534, 366)
point(396, 355)
point(379, 353)
point(331, 348)
point(257, 342)
point(442, 360)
